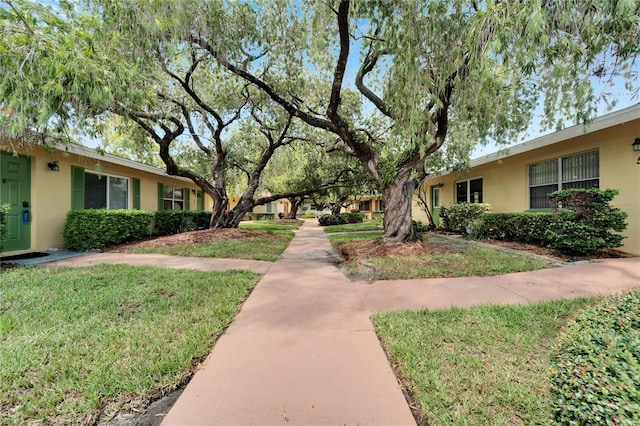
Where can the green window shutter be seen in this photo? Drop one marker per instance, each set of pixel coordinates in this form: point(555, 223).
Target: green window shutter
point(77, 188)
point(200, 205)
point(136, 193)
point(160, 196)
point(187, 199)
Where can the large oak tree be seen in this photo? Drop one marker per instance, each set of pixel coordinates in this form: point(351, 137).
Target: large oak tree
point(421, 70)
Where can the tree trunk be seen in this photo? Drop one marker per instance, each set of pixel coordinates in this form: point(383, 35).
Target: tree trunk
point(336, 207)
point(398, 225)
point(296, 202)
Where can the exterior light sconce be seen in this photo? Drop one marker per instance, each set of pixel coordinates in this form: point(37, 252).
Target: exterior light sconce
point(636, 147)
point(53, 166)
point(441, 184)
point(193, 191)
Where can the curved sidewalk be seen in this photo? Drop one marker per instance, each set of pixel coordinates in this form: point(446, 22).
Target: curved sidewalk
point(303, 350)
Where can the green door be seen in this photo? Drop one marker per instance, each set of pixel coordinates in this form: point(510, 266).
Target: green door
point(435, 204)
point(15, 189)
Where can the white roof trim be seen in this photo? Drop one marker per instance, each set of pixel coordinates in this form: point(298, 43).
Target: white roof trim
point(125, 162)
point(599, 123)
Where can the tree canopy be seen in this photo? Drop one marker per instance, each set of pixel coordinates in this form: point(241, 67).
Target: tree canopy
point(393, 83)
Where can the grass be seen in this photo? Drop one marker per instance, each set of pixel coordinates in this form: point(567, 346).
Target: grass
point(476, 261)
point(80, 343)
point(484, 365)
point(255, 248)
point(340, 238)
point(354, 227)
point(464, 260)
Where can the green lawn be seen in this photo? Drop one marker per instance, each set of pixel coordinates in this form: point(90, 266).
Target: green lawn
point(486, 365)
point(354, 227)
point(340, 238)
point(266, 248)
point(80, 343)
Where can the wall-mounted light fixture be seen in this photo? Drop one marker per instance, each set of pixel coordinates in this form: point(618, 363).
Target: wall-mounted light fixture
point(441, 184)
point(53, 166)
point(636, 147)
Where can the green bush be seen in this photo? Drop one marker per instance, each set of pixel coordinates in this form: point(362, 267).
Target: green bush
point(309, 215)
point(377, 215)
point(4, 209)
point(353, 217)
point(169, 222)
point(95, 229)
point(585, 220)
point(419, 227)
point(259, 216)
point(596, 365)
point(520, 227)
point(331, 219)
point(460, 216)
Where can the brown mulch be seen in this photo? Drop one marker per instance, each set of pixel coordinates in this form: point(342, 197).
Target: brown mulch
point(192, 237)
point(360, 250)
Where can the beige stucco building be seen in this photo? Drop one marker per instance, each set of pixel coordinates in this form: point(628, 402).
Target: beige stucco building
point(43, 185)
point(598, 155)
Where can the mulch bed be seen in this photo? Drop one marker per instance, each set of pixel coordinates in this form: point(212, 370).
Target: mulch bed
point(192, 237)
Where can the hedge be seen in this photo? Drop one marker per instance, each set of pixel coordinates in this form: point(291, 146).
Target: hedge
point(95, 229)
point(341, 219)
point(596, 365)
point(519, 227)
point(169, 222)
point(460, 217)
point(4, 209)
point(259, 216)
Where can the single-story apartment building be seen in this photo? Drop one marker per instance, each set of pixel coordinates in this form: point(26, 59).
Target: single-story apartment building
point(42, 185)
point(599, 155)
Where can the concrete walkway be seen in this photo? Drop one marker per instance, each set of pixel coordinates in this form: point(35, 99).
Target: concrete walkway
point(303, 350)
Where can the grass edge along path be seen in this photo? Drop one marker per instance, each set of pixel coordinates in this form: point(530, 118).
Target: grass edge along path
point(483, 365)
point(79, 344)
point(267, 248)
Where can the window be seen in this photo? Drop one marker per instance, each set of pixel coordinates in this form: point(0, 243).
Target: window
point(105, 192)
point(364, 206)
point(380, 205)
point(173, 198)
point(271, 207)
point(576, 171)
point(468, 191)
point(435, 201)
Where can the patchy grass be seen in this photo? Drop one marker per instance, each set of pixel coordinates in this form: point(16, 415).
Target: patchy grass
point(435, 257)
point(340, 238)
point(486, 365)
point(78, 344)
point(477, 261)
point(373, 225)
point(266, 248)
point(271, 226)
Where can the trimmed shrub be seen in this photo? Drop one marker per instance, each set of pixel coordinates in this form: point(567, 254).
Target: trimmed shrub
point(459, 217)
point(4, 209)
point(596, 365)
point(95, 229)
point(520, 227)
point(331, 219)
point(259, 216)
point(169, 222)
point(309, 215)
point(377, 215)
point(585, 220)
point(419, 227)
point(353, 217)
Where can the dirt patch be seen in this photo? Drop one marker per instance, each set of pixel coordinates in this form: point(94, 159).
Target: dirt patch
point(192, 237)
point(361, 250)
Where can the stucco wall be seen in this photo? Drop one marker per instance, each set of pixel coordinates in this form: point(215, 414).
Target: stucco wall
point(506, 184)
point(51, 191)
